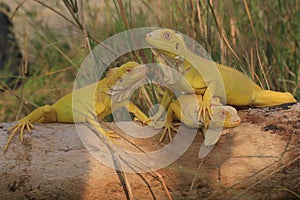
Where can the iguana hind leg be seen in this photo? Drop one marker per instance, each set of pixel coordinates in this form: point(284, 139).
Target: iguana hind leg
point(265, 98)
point(42, 114)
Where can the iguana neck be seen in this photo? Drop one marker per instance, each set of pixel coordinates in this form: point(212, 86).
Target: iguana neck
point(191, 57)
point(106, 84)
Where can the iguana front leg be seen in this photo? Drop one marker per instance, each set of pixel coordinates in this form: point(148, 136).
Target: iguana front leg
point(203, 88)
point(165, 102)
point(138, 113)
point(169, 126)
point(205, 111)
point(134, 110)
point(100, 109)
point(42, 114)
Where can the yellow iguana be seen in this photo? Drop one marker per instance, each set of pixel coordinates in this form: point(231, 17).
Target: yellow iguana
point(98, 96)
point(186, 109)
point(240, 89)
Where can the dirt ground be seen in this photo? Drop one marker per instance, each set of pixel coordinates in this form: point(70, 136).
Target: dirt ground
point(260, 159)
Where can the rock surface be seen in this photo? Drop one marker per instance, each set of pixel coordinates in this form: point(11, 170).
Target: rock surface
point(260, 159)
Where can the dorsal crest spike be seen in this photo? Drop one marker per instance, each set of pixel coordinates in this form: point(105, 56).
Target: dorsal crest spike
point(112, 76)
point(180, 37)
point(111, 72)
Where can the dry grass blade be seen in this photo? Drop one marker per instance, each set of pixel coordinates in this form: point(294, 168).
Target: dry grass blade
point(23, 73)
point(153, 11)
point(123, 14)
point(55, 11)
point(294, 193)
point(196, 175)
point(16, 9)
point(262, 69)
point(164, 184)
point(223, 35)
point(201, 27)
point(116, 159)
point(59, 50)
point(57, 71)
point(267, 176)
point(250, 18)
point(25, 102)
point(127, 183)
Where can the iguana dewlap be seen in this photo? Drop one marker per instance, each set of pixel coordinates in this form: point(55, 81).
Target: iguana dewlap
point(240, 90)
point(113, 90)
point(186, 109)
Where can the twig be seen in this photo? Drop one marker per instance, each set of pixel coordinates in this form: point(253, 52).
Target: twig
point(58, 13)
point(154, 13)
point(196, 175)
point(267, 176)
point(116, 159)
point(223, 36)
point(24, 71)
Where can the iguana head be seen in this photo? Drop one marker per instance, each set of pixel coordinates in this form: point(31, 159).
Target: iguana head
point(167, 42)
point(228, 114)
point(123, 80)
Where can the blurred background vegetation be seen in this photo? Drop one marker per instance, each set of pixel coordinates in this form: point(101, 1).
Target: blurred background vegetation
point(259, 37)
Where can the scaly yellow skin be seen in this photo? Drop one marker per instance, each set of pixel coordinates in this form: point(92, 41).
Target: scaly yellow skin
point(186, 109)
point(240, 90)
point(88, 107)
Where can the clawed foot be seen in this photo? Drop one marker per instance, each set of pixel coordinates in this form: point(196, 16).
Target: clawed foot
point(107, 136)
point(168, 130)
point(205, 114)
point(145, 122)
point(110, 134)
point(22, 125)
point(205, 111)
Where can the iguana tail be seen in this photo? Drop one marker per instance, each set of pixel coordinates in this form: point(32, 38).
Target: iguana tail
point(266, 98)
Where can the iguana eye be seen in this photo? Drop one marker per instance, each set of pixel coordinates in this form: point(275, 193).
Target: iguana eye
point(167, 35)
point(128, 70)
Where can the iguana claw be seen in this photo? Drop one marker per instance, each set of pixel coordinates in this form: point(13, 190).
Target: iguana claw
point(205, 113)
point(168, 129)
point(145, 122)
point(110, 134)
point(20, 126)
